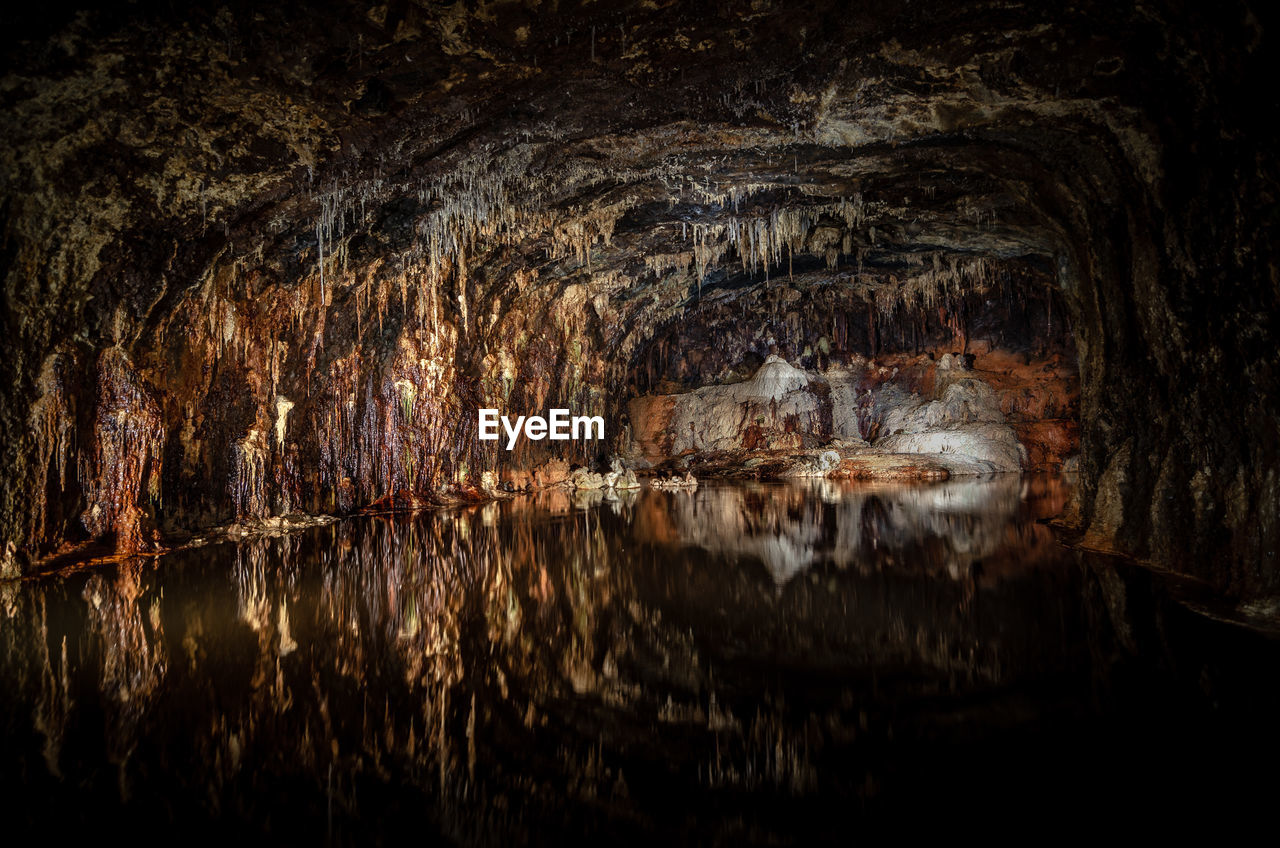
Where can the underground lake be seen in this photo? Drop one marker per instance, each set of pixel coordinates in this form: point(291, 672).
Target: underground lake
point(747, 662)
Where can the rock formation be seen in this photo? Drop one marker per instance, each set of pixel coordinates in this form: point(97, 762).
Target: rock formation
point(269, 260)
point(959, 426)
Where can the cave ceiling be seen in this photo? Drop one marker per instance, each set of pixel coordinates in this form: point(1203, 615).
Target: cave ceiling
point(573, 142)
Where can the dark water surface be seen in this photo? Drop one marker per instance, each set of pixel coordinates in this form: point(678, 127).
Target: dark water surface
point(747, 663)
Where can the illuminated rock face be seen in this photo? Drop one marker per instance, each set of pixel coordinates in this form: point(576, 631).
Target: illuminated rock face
point(965, 421)
point(306, 248)
point(960, 427)
point(779, 407)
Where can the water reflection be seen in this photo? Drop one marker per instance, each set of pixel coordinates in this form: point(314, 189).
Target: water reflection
point(952, 527)
point(737, 663)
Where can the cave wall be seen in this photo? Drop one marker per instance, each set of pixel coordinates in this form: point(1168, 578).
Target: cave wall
point(269, 259)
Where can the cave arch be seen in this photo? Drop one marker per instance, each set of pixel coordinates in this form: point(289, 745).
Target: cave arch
point(497, 221)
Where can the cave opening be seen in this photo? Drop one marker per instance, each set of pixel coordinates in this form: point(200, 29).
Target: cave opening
point(931, 347)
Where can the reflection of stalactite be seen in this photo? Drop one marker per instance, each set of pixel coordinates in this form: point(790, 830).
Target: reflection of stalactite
point(134, 659)
point(255, 607)
point(53, 706)
point(412, 652)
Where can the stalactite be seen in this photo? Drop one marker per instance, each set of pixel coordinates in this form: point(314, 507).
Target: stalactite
point(122, 469)
point(250, 460)
point(53, 421)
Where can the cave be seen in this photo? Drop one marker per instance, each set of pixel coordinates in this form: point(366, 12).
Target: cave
point(532, 422)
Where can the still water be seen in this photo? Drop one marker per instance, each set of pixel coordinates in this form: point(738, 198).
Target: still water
point(769, 663)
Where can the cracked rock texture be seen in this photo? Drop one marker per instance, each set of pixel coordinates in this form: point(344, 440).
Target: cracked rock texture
point(262, 260)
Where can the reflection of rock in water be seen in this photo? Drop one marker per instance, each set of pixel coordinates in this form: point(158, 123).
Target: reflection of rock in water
point(626, 665)
point(124, 616)
point(790, 527)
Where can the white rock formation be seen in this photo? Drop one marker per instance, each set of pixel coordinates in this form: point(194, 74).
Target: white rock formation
point(714, 417)
point(964, 430)
point(585, 478)
point(617, 477)
point(674, 482)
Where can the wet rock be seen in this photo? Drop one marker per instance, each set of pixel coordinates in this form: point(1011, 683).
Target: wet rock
point(628, 480)
point(675, 482)
point(620, 477)
point(964, 429)
point(9, 567)
point(124, 470)
point(553, 472)
point(585, 478)
point(820, 466)
point(878, 465)
point(777, 408)
point(963, 449)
